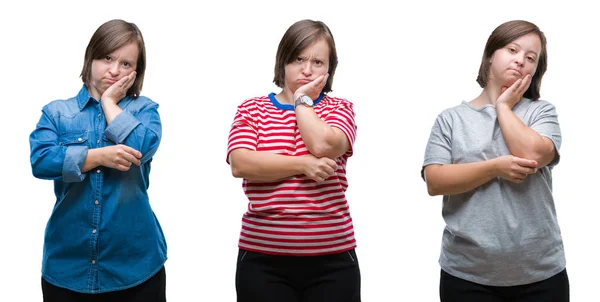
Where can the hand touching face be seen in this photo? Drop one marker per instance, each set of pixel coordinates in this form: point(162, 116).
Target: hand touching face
point(117, 68)
point(311, 65)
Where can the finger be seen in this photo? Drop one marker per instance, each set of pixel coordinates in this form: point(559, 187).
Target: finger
point(317, 178)
point(122, 168)
point(524, 170)
point(323, 175)
point(324, 80)
point(525, 162)
point(518, 180)
point(131, 159)
point(524, 84)
point(330, 162)
point(132, 151)
point(514, 86)
point(329, 170)
point(131, 79)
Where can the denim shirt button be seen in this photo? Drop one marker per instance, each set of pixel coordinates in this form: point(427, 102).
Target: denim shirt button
point(94, 231)
point(93, 261)
point(96, 202)
point(98, 171)
point(79, 139)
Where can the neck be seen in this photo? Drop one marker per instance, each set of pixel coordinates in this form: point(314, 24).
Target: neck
point(488, 96)
point(286, 96)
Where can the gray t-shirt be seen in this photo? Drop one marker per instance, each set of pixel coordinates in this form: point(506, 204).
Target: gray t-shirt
point(501, 233)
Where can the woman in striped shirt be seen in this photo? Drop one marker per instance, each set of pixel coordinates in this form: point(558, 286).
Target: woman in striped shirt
point(291, 148)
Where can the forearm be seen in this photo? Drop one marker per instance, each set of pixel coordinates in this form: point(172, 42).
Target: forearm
point(141, 132)
point(521, 140)
point(320, 139)
point(111, 110)
point(263, 166)
point(92, 160)
point(454, 179)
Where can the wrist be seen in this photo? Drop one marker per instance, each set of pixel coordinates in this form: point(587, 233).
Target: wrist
point(300, 164)
point(503, 106)
point(493, 168)
point(94, 156)
point(303, 100)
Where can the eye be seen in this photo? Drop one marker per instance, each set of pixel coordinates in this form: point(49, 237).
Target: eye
point(107, 58)
point(319, 63)
point(512, 49)
point(126, 64)
point(531, 59)
point(299, 59)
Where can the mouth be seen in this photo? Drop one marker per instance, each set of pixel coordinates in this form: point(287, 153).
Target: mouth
point(304, 81)
point(515, 70)
point(110, 81)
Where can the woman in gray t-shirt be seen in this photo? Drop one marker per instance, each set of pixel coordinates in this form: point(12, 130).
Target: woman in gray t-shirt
point(491, 159)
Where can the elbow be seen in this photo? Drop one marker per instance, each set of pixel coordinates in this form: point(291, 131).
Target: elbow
point(236, 171)
point(39, 172)
point(324, 150)
point(432, 190)
point(149, 150)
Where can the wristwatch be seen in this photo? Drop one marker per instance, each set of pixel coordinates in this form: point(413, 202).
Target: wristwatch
point(304, 100)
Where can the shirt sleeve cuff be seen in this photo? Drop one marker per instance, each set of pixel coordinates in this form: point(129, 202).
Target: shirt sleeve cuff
point(74, 159)
point(120, 128)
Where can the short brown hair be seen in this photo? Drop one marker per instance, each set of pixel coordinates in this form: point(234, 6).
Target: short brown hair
point(299, 36)
point(502, 36)
point(109, 37)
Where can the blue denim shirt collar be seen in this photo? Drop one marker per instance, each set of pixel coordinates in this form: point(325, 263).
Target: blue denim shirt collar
point(84, 97)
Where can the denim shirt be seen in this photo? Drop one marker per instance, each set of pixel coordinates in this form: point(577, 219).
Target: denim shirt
point(102, 234)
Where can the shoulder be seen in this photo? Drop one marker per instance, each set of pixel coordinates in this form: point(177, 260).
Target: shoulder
point(541, 104)
point(533, 107)
point(255, 102)
point(336, 101)
point(453, 112)
point(62, 107)
point(139, 103)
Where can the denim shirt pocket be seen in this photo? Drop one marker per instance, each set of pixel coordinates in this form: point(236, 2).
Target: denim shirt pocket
point(73, 139)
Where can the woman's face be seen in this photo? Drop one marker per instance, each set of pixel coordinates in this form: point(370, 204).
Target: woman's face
point(515, 60)
point(112, 68)
point(311, 63)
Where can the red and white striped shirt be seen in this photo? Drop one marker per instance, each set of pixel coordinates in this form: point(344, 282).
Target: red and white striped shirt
point(295, 216)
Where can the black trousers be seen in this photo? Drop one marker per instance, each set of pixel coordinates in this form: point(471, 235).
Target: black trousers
point(271, 278)
point(152, 290)
point(553, 289)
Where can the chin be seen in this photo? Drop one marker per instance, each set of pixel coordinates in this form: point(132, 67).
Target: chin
point(511, 80)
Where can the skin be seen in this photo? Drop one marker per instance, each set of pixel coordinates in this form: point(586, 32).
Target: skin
point(306, 75)
point(110, 79)
point(511, 70)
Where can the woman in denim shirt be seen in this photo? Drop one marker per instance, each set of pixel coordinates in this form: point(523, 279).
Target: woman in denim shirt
point(102, 241)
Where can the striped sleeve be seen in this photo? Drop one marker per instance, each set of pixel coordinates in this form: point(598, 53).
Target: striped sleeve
point(342, 117)
point(243, 133)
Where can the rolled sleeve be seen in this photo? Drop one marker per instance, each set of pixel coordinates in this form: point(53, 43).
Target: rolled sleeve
point(73, 163)
point(120, 128)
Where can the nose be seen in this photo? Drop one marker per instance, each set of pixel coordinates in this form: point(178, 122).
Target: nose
point(307, 69)
point(519, 60)
point(114, 69)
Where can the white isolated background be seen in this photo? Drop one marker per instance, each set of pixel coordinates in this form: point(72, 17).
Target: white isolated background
point(401, 63)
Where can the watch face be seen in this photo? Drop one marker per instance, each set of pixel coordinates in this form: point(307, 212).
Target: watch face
point(306, 100)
